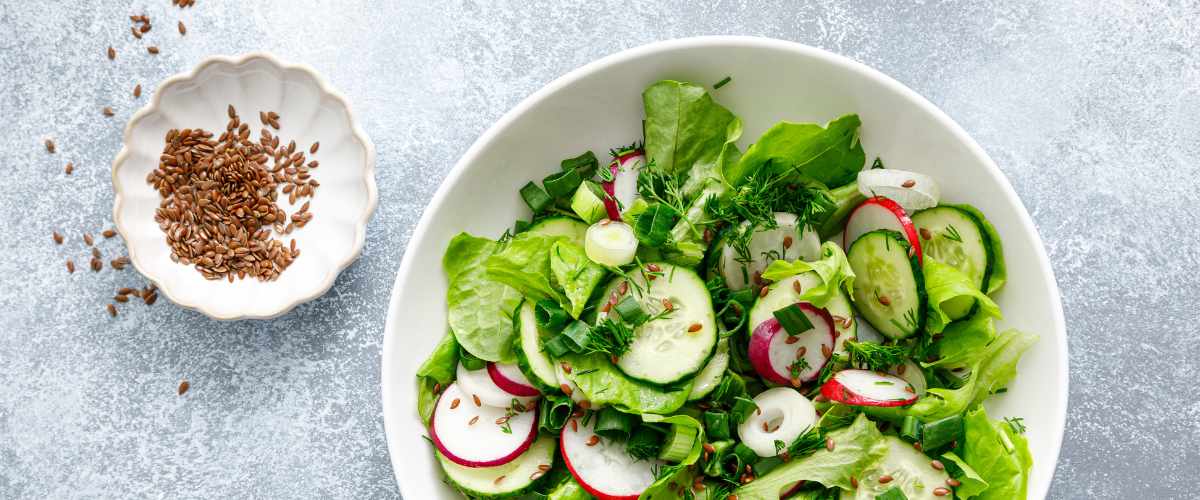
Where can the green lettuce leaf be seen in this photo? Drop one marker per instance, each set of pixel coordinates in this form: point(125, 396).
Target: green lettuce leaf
point(831, 155)
point(524, 264)
point(832, 267)
point(685, 127)
point(679, 474)
point(603, 383)
point(995, 368)
point(438, 369)
point(990, 449)
point(945, 283)
point(857, 448)
point(479, 310)
point(999, 273)
point(568, 490)
point(575, 274)
point(972, 483)
point(963, 342)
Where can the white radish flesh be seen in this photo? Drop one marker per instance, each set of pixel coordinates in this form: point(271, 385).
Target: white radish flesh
point(911, 190)
point(479, 383)
point(774, 352)
point(610, 243)
point(868, 388)
point(508, 377)
point(602, 466)
point(474, 435)
point(782, 415)
point(880, 213)
point(911, 373)
point(785, 241)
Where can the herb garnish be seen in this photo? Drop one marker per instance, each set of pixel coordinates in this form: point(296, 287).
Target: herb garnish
point(873, 356)
point(723, 82)
point(952, 233)
point(1017, 424)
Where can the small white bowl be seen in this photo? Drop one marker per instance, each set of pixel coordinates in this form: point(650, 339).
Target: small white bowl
point(310, 110)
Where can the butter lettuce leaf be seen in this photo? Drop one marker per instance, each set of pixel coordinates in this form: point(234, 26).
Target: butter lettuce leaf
point(832, 267)
point(437, 370)
point(685, 127)
point(964, 342)
point(603, 383)
point(831, 155)
point(479, 309)
point(575, 274)
point(524, 264)
point(994, 369)
point(998, 454)
point(857, 448)
point(972, 483)
point(945, 283)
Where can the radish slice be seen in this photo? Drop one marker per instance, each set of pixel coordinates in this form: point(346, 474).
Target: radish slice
point(602, 466)
point(470, 436)
point(782, 415)
point(773, 352)
point(911, 190)
point(911, 373)
point(868, 388)
point(786, 241)
point(509, 378)
point(479, 383)
point(610, 243)
point(880, 213)
point(623, 189)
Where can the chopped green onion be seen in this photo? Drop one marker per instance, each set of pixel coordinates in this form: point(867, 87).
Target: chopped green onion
point(765, 465)
point(537, 199)
point(562, 184)
point(549, 315)
point(615, 424)
point(576, 335)
point(730, 387)
point(893, 493)
point(793, 320)
point(521, 226)
point(716, 424)
point(723, 82)
point(742, 406)
point(645, 442)
point(554, 413)
point(557, 346)
point(469, 361)
point(631, 311)
point(585, 164)
point(736, 461)
point(941, 432)
point(910, 429)
point(679, 443)
point(720, 449)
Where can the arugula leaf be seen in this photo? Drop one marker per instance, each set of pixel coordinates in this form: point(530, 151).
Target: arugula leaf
point(603, 383)
point(831, 155)
point(575, 274)
point(524, 264)
point(832, 267)
point(479, 309)
point(945, 283)
point(437, 370)
point(999, 456)
point(653, 226)
point(858, 447)
point(684, 126)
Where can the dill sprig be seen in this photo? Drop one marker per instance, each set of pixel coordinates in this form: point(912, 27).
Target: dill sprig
point(873, 356)
point(609, 337)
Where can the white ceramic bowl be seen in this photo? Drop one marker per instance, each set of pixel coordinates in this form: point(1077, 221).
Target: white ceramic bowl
point(310, 110)
point(599, 106)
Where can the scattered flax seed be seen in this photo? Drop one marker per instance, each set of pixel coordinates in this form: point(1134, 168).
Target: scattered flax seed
point(709, 447)
point(108, 233)
point(153, 49)
point(69, 168)
point(112, 310)
point(668, 305)
point(119, 263)
point(475, 398)
point(953, 483)
point(883, 299)
point(791, 339)
point(150, 298)
point(885, 479)
point(121, 298)
point(125, 291)
point(940, 492)
point(145, 28)
point(853, 482)
point(574, 426)
point(473, 420)
point(536, 475)
point(829, 444)
point(592, 441)
point(544, 467)
point(58, 238)
point(694, 328)
point(108, 111)
point(87, 238)
point(182, 28)
point(497, 481)
point(826, 351)
point(454, 404)
point(97, 265)
point(183, 387)
point(112, 53)
point(801, 352)
point(95, 252)
point(70, 266)
point(50, 146)
point(136, 34)
point(585, 404)
point(764, 291)
point(909, 183)
point(137, 90)
point(566, 368)
point(787, 242)
point(925, 234)
point(937, 464)
point(312, 150)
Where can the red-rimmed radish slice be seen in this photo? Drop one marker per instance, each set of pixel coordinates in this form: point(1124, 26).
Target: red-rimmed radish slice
point(911, 373)
point(773, 352)
point(602, 466)
point(479, 383)
point(880, 213)
point(911, 190)
point(868, 388)
point(622, 190)
point(510, 379)
point(782, 415)
point(475, 436)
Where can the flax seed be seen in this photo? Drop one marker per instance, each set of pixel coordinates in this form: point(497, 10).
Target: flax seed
point(593, 441)
point(454, 404)
point(829, 444)
point(566, 368)
point(792, 339)
point(940, 492)
point(885, 479)
point(883, 299)
point(473, 420)
point(953, 483)
point(182, 28)
point(137, 90)
point(112, 310)
point(107, 111)
point(50, 148)
point(909, 183)
point(108, 233)
point(312, 150)
point(763, 292)
point(925, 234)
point(112, 53)
point(70, 266)
point(937, 464)
point(695, 328)
point(96, 265)
point(787, 242)
point(183, 388)
point(58, 238)
point(475, 398)
point(87, 238)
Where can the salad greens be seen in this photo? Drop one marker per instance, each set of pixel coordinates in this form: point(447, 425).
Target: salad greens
point(694, 320)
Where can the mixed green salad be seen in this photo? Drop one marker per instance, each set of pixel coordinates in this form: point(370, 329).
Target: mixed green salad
point(690, 320)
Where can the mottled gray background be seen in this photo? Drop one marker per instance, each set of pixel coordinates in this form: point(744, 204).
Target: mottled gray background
point(1091, 108)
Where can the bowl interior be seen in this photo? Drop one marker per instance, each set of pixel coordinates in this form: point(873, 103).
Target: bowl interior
point(308, 113)
point(599, 106)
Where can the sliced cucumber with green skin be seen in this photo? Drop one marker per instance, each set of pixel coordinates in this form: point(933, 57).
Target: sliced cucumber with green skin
point(531, 358)
point(909, 470)
point(560, 226)
point(713, 371)
point(955, 237)
point(889, 289)
point(786, 241)
point(674, 347)
point(513, 478)
point(783, 294)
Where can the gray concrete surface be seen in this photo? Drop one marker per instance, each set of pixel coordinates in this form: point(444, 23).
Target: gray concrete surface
point(1091, 108)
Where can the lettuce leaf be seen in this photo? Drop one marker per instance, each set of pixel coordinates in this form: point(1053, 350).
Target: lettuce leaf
point(685, 127)
point(831, 155)
point(439, 368)
point(832, 267)
point(568, 490)
point(679, 474)
point(999, 273)
point(972, 483)
point(963, 342)
point(524, 264)
point(575, 274)
point(944, 283)
point(858, 447)
point(479, 310)
point(603, 383)
point(994, 369)
point(998, 454)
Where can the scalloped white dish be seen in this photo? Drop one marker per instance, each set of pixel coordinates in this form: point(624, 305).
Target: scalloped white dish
point(599, 106)
point(310, 111)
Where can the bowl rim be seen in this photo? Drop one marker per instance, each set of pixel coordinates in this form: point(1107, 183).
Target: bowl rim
point(391, 407)
point(356, 131)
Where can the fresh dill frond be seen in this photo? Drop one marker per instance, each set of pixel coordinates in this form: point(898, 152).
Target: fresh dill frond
point(873, 356)
point(609, 337)
point(952, 233)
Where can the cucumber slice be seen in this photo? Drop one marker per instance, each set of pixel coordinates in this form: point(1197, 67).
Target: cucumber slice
point(783, 294)
point(674, 347)
point(713, 371)
point(957, 238)
point(910, 470)
point(560, 226)
point(889, 289)
point(515, 477)
point(742, 267)
point(531, 358)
